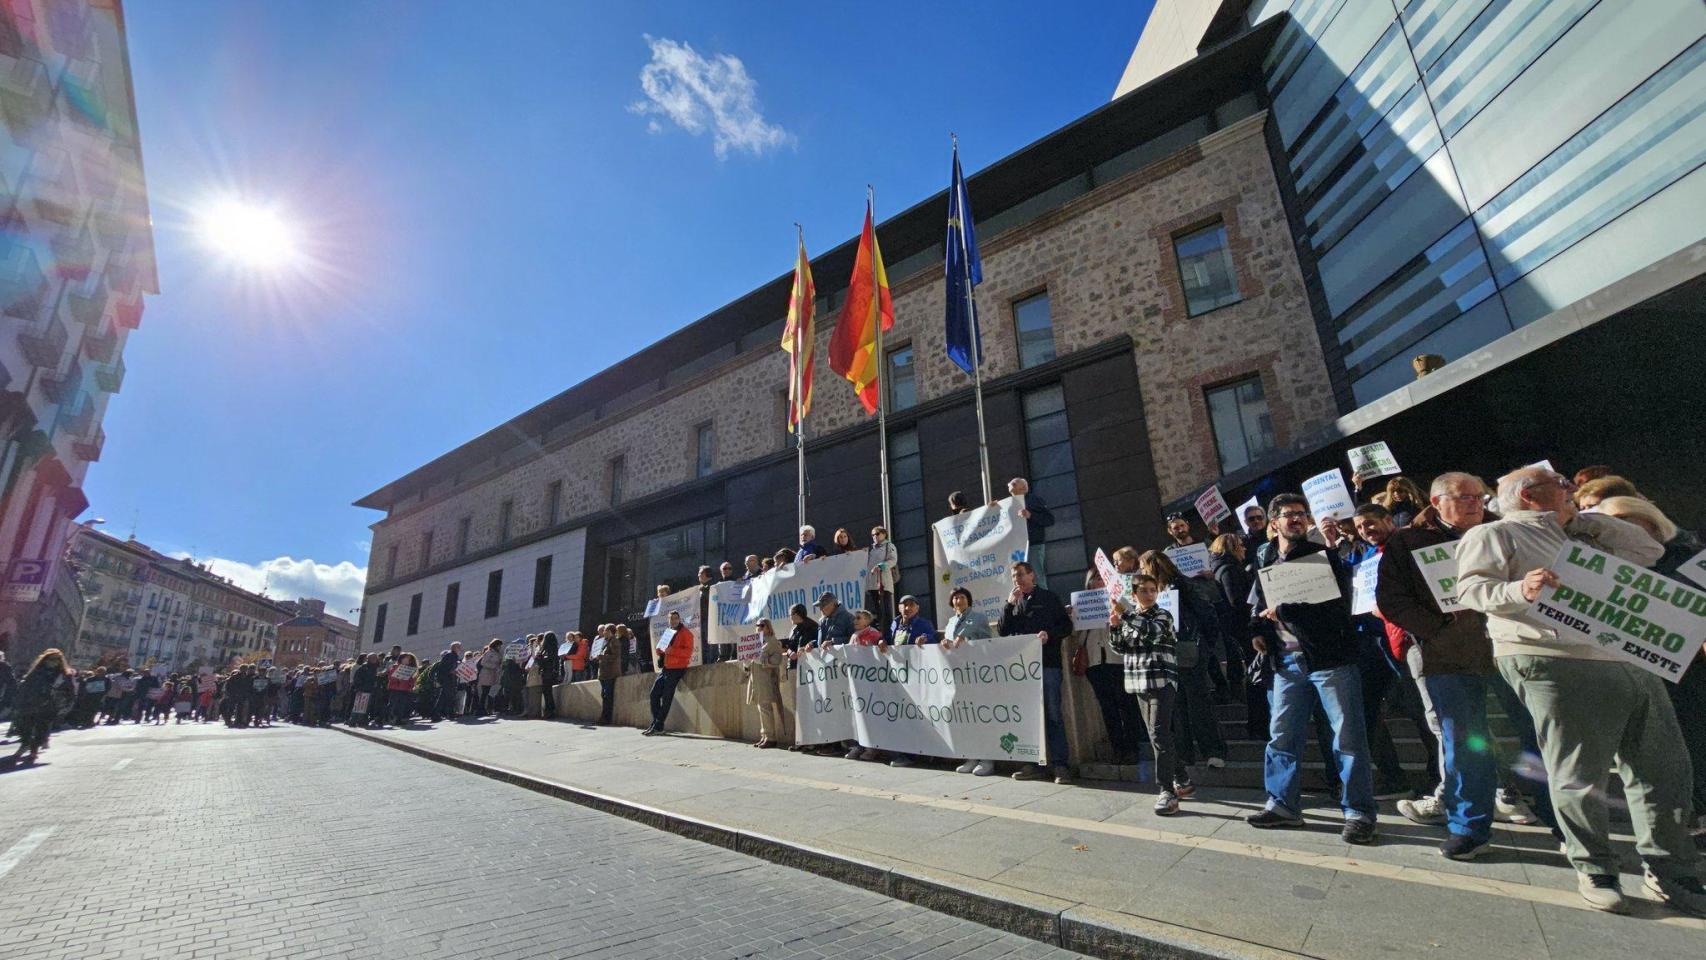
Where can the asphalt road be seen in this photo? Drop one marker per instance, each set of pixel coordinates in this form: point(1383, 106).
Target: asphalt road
point(196, 842)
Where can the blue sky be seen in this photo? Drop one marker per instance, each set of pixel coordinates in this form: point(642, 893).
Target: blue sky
point(487, 217)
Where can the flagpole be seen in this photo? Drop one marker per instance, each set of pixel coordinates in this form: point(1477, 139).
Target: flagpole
point(882, 363)
point(976, 339)
point(797, 388)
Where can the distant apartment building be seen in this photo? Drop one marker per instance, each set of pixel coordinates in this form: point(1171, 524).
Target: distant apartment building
point(147, 608)
point(312, 635)
point(76, 259)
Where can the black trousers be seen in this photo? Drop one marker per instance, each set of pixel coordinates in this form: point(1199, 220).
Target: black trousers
point(607, 691)
point(663, 694)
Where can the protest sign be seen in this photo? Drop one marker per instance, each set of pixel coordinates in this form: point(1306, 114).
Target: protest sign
point(749, 646)
point(466, 671)
point(402, 671)
point(1438, 564)
point(973, 550)
point(774, 592)
point(979, 701)
point(600, 644)
point(1090, 609)
point(1694, 569)
point(207, 684)
point(1191, 560)
point(359, 708)
point(1244, 508)
point(1637, 615)
point(1304, 580)
point(1113, 581)
point(1374, 460)
point(1545, 465)
point(1212, 508)
point(327, 677)
point(1328, 496)
point(515, 649)
point(686, 603)
point(728, 612)
point(1168, 600)
point(1364, 579)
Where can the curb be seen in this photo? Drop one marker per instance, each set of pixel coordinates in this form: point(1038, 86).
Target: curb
point(1063, 923)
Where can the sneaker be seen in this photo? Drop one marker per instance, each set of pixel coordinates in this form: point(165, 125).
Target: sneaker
point(1272, 820)
point(967, 767)
point(855, 753)
point(1216, 762)
point(1184, 789)
point(1393, 791)
point(1029, 771)
point(1359, 832)
point(1063, 775)
point(1460, 847)
point(870, 754)
point(1601, 892)
point(1166, 804)
point(1682, 893)
point(650, 732)
point(901, 762)
point(1514, 810)
point(1427, 811)
point(984, 768)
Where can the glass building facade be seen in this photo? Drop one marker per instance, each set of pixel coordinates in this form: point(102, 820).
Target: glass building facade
point(1464, 167)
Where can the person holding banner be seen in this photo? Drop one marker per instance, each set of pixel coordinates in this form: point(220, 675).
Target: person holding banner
point(400, 689)
point(1103, 670)
point(1314, 653)
point(1593, 710)
point(803, 635)
point(674, 655)
point(835, 624)
point(763, 685)
point(909, 627)
point(961, 628)
point(884, 562)
point(1035, 610)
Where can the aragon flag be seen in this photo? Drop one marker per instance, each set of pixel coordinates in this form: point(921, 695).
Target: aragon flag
point(799, 338)
point(853, 347)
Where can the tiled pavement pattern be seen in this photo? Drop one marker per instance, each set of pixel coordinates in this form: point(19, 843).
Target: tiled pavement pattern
point(299, 844)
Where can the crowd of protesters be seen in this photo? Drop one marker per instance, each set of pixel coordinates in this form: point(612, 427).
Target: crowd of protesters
point(1301, 669)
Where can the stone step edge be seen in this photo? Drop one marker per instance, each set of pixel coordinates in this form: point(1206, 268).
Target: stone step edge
point(1086, 929)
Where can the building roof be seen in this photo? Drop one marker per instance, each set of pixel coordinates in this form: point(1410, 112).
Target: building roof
point(181, 566)
point(1165, 103)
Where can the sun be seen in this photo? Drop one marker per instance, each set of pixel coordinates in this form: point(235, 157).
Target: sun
point(251, 234)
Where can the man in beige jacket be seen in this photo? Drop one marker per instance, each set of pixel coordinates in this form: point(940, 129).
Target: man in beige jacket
point(1591, 710)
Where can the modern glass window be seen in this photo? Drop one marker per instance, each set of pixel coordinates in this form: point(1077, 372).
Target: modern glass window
point(452, 595)
point(462, 530)
point(494, 587)
point(553, 502)
point(1205, 268)
point(414, 615)
point(704, 443)
point(902, 380)
point(911, 531)
point(673, 556)
point(1243, 430)
point(506, 513)
point(618, 471)
point(1056, 523)
point(542, 581)
point(1035, 326)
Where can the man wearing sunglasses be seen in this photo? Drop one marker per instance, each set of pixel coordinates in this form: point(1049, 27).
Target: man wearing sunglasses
point(1315, 660)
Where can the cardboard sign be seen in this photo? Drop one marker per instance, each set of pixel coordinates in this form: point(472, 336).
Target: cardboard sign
point(1328, 496)
point(403, 672)
point(1639, 616)
point(1304, 580)
point(973, 550)
point(1438, 564)
point(1694, 569)
point(1244, 508)
point(1374, 460)
point(749, 646)
point(359, 708)
point(1192, 561)
point(1364, 580)
point(1090, 609)
point(1212, 508)
point(467, 670)
point(328, 677)
point(666, 638)
point(1113, 581)
point(515, 649)
point(1168, 600)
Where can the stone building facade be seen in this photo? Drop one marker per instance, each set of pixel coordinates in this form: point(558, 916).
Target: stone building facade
point(691, 431)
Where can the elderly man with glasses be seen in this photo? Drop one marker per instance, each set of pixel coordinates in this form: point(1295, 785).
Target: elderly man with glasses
point(1593, 712)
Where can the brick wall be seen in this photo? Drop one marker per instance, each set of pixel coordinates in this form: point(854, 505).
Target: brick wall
point(1106, 259)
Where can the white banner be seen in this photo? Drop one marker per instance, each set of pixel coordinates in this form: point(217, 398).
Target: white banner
point(1643, 617)
point(1328, 496)
point(1365, 579)
point(772, 594)
point(1192, 560)
point(1374, 460)
point(973, 549)
point(685, 603)
point(1212, 508)
point(981, 701)
point(1304, 580)
point(1694, 569)
point(1438, 564)
point(1090, 609)
point(729, 602)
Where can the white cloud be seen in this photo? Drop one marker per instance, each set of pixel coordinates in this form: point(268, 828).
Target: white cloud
point(286, 578)
point(700, 94)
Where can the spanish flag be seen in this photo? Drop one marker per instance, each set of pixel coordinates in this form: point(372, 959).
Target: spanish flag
point(853, 348)
point(799, 338)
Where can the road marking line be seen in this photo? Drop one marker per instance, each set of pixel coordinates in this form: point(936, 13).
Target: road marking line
point(123, 763)
point(18, 851)
point(1551, 896)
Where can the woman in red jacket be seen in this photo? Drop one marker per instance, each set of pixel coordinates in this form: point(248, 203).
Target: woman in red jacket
point(400, 688)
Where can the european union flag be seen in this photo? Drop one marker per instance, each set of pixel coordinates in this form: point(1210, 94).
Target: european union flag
point(964, 271)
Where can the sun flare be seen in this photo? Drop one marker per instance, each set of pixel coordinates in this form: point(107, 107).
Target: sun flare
point(250, 234)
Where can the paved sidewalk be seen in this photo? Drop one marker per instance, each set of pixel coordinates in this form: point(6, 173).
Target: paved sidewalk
point(1202, 881)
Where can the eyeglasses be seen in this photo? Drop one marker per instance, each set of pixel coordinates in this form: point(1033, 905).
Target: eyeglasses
point(1292, 515)
point(1463, 497)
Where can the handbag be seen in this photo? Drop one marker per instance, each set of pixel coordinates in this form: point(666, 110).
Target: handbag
point(1080, 661)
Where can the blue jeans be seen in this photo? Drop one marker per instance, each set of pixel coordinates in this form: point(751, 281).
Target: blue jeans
point(1294, 695)
point(1470, 773)
point(663, 694)
point(1054, 728)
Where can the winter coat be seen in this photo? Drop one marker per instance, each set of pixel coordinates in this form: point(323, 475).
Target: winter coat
point(762, 673)
point(1323, 630)
point(1450, 642)
point(491, 662)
